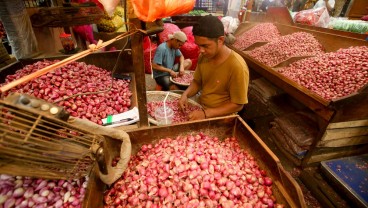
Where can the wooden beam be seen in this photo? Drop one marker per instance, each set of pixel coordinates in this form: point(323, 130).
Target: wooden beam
point(138, 63)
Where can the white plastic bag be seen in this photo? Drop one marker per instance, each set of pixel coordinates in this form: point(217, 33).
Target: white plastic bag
point(109, 5)
point(230, 24)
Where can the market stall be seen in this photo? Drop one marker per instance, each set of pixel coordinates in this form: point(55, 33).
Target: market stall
point(343, 114)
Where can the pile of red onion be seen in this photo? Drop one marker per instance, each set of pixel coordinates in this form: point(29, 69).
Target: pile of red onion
point(285, 47)
point(75, 78)
point(192, 171)
point(179, 115)
point(186, 79)
point(264, 32)
point(332, 75)
point(40, 193)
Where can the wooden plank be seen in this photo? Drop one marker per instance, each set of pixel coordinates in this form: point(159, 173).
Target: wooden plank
point(339, 152)
point(332, 31)
point(358, 9)
point(343, 142)
point(348, 124)
point(344, 133)
point(351, 108)
point(331, 42)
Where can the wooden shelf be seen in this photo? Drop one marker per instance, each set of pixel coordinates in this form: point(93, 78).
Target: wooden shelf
point(346, 116)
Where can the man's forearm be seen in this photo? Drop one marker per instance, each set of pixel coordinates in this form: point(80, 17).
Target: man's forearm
point(191, 90)
point(160, 68)
point(223, 110)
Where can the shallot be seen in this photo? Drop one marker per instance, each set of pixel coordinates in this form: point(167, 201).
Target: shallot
point(332, 75)
point(263, 32)
point(179, 115)
point(77, 78)
point(174, 176)
point(285, 47)
point(29, 194)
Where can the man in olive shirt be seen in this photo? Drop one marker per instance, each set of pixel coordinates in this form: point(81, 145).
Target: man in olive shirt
point(221, 76)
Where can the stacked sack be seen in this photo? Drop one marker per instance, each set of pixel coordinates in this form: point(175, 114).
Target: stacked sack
point(189, 50)
point(149, 50)
point(295, 132)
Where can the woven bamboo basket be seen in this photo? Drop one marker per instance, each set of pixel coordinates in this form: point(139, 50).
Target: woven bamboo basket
point(160, 96)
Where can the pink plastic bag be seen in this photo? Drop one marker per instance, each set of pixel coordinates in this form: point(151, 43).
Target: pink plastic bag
point(168, 30)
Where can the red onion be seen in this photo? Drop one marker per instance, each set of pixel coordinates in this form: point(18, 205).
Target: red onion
point(263, 32)
point(285, 47)
point(76, 78)
point(27, 192)
point(188, 182)
point(332, 75)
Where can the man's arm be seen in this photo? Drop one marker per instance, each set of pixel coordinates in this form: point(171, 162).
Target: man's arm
point(223, 110)
point(181, 70)
point(189, 92)
point(163, 69)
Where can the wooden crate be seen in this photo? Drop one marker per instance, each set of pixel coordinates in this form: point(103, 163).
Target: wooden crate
point(105, 60)
point(342, 122)
point(285, 188)
point(4, 56)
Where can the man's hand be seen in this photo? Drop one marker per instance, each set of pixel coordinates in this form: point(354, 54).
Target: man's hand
point(183, 102)
point(181, 73)
point(173, 74)
point(196, 115)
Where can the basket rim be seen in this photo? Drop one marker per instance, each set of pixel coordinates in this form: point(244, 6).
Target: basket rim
point(172, 94)
point(181, 84)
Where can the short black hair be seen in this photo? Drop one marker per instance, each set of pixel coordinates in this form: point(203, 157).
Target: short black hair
point(209, 26)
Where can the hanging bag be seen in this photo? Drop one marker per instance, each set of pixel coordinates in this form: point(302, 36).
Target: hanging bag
point(149, 11)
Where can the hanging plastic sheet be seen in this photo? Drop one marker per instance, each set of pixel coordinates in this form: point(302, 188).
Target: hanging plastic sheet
point(149, 11)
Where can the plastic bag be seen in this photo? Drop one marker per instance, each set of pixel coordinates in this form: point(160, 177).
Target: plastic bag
point(189, 33)
point(149, 50)
point(149, 11)
point(109, 5)
point(315, 17)
point(190, 50)
point(194, 64)
point(168, 30)
point(230, 24)
point(356, 26)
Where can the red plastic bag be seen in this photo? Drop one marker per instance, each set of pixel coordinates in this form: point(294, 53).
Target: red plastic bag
point(149, 11)
point(190, 50)
point(189, 33)
point(315, 17)
point(168, 30)
point(194, 64)
point(149, 50)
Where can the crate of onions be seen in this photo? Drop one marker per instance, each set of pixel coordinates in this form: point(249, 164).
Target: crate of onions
point(218, 162)
point(85, 88)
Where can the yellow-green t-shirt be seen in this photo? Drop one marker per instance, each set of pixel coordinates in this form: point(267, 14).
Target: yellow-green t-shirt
point(221, 84)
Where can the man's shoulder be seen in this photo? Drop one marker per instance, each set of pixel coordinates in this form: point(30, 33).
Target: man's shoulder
point(162, 46)
point(237, 58)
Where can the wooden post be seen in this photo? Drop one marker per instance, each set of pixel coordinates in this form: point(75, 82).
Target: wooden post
point(249, 10)
point(138, 63)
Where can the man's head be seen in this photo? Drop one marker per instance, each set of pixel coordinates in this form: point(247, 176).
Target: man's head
point(209, 35)
point(178, 39)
